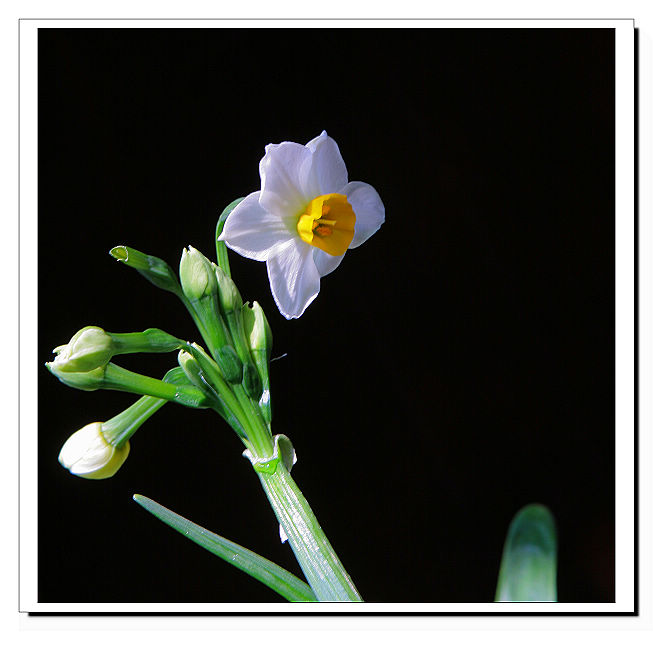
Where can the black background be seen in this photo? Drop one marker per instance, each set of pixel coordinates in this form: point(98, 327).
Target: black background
point(456, 367)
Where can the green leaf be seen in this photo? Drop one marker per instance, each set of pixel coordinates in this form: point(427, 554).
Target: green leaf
point(220, 248)
point(269, 573)
point(528, 566)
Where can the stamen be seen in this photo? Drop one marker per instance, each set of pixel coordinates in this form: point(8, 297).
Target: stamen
point(331, 235)
point(321, 230)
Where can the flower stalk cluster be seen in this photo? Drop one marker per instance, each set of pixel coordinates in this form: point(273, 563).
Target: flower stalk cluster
point(229, 372)
point(304, 219)
point(232, 378)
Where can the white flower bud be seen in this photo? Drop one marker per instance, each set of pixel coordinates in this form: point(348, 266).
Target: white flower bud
point(90, 348)
point(86, 453)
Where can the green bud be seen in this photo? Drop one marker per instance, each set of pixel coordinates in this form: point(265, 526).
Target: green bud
point(230, 364)
point(259, 335)
point(92, 348)
point(113, 377)
point(91, 380)
point(89, 349)
point(154, 269)
point(196, 274)
point(230, 299)
point(232, 305)
point(190, 367)
point(252, 381)
point(257, 329)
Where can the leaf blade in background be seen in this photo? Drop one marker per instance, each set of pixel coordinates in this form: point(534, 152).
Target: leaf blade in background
point(529, 562)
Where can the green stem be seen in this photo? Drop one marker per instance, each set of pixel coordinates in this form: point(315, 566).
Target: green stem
point(150, 340)
point(251, 379)
point(117, 378)
point(238, 402)
point(220, 248)
point(258, 431)
point(123, 426)
point(214, 377)
point(319, 562)
point(205, 334)
point(120, 428)
point(205, 313)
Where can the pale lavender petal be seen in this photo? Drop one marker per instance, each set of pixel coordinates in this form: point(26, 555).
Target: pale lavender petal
point(282, 169)
point(324, 262)
point(368, 208)
point(294, 279)
point(327, 172)
point(252, 231)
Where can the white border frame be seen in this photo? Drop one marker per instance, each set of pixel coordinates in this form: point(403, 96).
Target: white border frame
point(625, 327)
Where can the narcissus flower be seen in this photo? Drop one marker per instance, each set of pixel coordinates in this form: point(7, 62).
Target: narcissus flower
point(88, 454)
point(303, 220)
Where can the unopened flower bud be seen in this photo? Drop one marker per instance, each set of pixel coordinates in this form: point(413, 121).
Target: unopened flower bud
point(154, 269)
point(196, 274)
point(259, 335)
point(87, 453)
point(230, 299)
point(257, 329)
point(190, 367)
point(90, 348)
point(91, 380)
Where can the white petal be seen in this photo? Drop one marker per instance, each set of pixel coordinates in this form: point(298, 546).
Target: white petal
point(282, 169)
point(294, 279)
point(312, 143)
point(368, 208)
point(85, 448)
point(324, 262)
point(327, 172)
point(252, 231)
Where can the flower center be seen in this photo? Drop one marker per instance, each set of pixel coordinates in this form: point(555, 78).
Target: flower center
point(328, 223)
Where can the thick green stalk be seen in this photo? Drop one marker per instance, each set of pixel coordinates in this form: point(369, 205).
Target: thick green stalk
point(319, 562)
point(207, 335)
point(238, 402)
point(216, 380)
point(256, 426)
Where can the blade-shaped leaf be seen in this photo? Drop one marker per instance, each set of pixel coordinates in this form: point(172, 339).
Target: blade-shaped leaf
point(528, 565)
point(269, 573)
